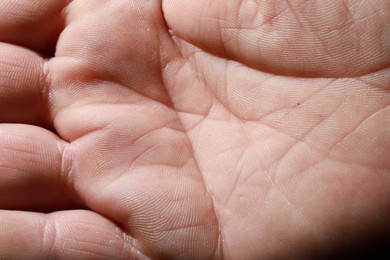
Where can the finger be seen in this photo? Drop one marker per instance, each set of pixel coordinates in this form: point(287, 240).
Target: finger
point(34, 24)
point(62, 235)
point(31, 170)
point(22, 86)
point(305, 38)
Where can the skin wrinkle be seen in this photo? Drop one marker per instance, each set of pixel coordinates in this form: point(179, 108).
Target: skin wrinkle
point(172, 165)
point(130, 244)
point(196, 73)
point(49, 236)
point(330, 114)
point(315, 126)
point(361, 122)
point(218, 250)
point(293, 205)
point(305, 215)
point(243, 151)
point(277, 160)
point(162, 213)
point(334, 111)
point(358, 125)
point(194, 66)
point(66, 172)
point(289, 143)
point(128, 241)
point(45, 90)
point(205, 83)
point(277, 109)
point(238, 178)
point(376, 83)
point(104, 126)
point(325, 154)
point(302, 102)
point(139, 157)
point(277, 164)
point(273, 188)
point(229, 53)
point(279, 15)
point(352, 23)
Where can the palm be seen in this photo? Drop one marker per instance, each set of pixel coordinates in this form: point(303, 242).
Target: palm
point(182, 143)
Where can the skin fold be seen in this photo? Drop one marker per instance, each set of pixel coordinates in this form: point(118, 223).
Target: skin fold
point(193, 129)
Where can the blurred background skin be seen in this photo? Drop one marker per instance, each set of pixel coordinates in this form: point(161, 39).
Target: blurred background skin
point(194, 129)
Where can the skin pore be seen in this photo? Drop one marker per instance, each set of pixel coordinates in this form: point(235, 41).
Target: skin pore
point(194, 129)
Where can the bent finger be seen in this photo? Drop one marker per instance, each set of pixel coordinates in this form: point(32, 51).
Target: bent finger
point(22, 86)
point(34, 24)
point(31, 170)
point(62, 235)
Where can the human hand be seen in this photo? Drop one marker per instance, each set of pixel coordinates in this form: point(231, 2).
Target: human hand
point(192, 129)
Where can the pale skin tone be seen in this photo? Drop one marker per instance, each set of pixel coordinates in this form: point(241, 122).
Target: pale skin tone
point(192, 128)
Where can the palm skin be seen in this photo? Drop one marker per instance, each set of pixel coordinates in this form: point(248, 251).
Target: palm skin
point(192, 129)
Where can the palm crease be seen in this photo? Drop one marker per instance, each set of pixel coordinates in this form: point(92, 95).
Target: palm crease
point(194, 129)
